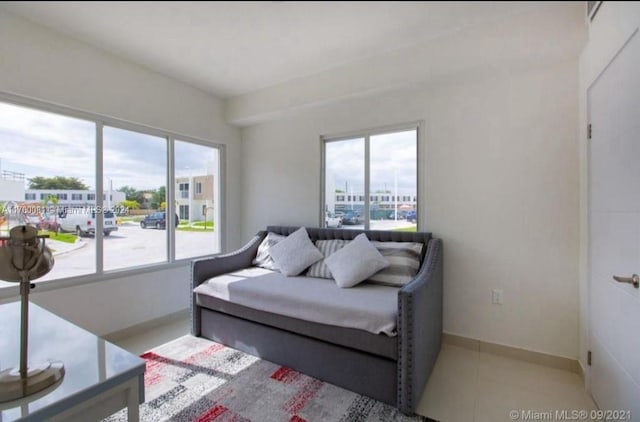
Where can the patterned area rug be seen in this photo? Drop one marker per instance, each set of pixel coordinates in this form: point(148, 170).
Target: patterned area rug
point(193, 379)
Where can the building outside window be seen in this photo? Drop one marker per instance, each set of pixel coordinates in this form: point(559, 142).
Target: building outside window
point(134, 166)
point(378, 165)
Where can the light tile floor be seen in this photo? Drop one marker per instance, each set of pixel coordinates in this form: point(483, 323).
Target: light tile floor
point(466, 385)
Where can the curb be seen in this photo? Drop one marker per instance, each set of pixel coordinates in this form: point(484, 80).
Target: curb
point(78, 245)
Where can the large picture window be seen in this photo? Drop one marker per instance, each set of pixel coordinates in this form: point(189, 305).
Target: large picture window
point(371, 180)
point(110, 195)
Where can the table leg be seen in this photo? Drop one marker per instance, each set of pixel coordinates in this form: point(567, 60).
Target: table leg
point(133, 401)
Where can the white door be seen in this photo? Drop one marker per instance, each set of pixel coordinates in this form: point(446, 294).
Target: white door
point(614, 224)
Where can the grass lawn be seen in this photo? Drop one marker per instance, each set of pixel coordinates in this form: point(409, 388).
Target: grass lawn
point(406, 229)
point(131, 219)
point(194, 229)
point(202, 224)
point(60, 237)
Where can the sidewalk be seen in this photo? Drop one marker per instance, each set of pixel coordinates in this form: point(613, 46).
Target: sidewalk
point(60, 248)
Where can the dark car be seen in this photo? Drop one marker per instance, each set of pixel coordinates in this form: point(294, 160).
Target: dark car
point(351, 218)
point(412, 217)
point(157, 220)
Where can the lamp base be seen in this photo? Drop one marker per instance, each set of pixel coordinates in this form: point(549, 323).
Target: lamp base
point(39, 377)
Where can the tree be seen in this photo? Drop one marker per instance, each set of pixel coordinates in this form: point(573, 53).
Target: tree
point(131, 205)
point(159, 196)
point(132, 194)
point(57, 182)
point(53, 200)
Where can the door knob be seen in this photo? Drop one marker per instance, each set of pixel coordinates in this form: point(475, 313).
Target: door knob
point(634, 279)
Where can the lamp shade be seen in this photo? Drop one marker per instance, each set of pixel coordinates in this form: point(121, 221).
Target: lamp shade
point(24, 253)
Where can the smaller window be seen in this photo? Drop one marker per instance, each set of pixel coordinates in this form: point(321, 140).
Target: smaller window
point(91, 197)
point(199, 188)
point(62, 196)
point(184, 190)
point(340, 198)
point(29, 196)
point(76, 197)
point(43, 196)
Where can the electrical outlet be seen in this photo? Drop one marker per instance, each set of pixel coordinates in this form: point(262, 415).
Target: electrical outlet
point(496, 297)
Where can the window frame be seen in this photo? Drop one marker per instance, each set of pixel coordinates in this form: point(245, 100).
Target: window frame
point(366, 134)
point(171, 137)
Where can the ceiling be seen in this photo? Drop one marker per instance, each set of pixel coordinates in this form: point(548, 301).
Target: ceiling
point(235, 48)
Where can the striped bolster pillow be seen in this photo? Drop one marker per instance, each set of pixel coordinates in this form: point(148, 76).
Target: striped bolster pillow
point(405, 262)
point(327, 247)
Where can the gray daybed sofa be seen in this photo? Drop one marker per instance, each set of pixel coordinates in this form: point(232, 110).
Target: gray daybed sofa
point(393, 369)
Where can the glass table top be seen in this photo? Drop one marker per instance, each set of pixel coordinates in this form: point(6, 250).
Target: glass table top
point(92, 365)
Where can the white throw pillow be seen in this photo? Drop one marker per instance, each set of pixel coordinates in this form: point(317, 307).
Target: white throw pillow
point(328, 248)
point(295, 253)
point(263, 257)
point(355, 262)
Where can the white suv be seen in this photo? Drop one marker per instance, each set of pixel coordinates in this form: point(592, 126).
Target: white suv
point(331, 220)
point(82, 221)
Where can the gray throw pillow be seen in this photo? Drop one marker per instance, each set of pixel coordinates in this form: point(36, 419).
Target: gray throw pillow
point(404, 260)
point(263, 257)
point(355, 262)
point(295, 253)
point(327, 247)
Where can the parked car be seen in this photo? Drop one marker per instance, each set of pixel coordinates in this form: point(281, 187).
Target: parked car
point(83, 222)
point(32, 220)
point(402, 215)
point(412, 217)
point(331, 221)
point(351, 218)
point(157, 220)
point(50, 222)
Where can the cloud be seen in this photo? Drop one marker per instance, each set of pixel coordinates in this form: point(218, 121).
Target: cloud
point(39, 143)
point(393, 158)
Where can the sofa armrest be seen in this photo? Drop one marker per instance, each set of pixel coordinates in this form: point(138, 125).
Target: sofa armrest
point(419, 328)
point(205, 268)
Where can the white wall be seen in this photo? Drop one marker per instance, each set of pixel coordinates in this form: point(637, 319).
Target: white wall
point(500, 187)
point(613, 25)
point(36, 62)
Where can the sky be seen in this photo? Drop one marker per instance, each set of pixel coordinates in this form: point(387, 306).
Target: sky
point(393, 157)
point(38, 143)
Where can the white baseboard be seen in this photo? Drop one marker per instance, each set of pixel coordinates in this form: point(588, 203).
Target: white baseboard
point(146, 326)
point(553, 361)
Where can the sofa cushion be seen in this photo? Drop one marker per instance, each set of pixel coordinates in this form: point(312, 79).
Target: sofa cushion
point(295, 253)
point(263, 258)
point(404, 260)
point(355, 262)
point(327, 247)
point(370, 307)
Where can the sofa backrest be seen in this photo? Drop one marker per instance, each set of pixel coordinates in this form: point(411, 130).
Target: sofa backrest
point(348, 234)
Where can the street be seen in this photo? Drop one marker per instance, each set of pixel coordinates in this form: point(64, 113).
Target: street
point(131, 246)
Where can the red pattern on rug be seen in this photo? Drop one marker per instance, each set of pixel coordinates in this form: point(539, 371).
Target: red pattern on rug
point(212, 414)
point(286, 375)
point(193, 379)
point(302, 397)
point(155, 364)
